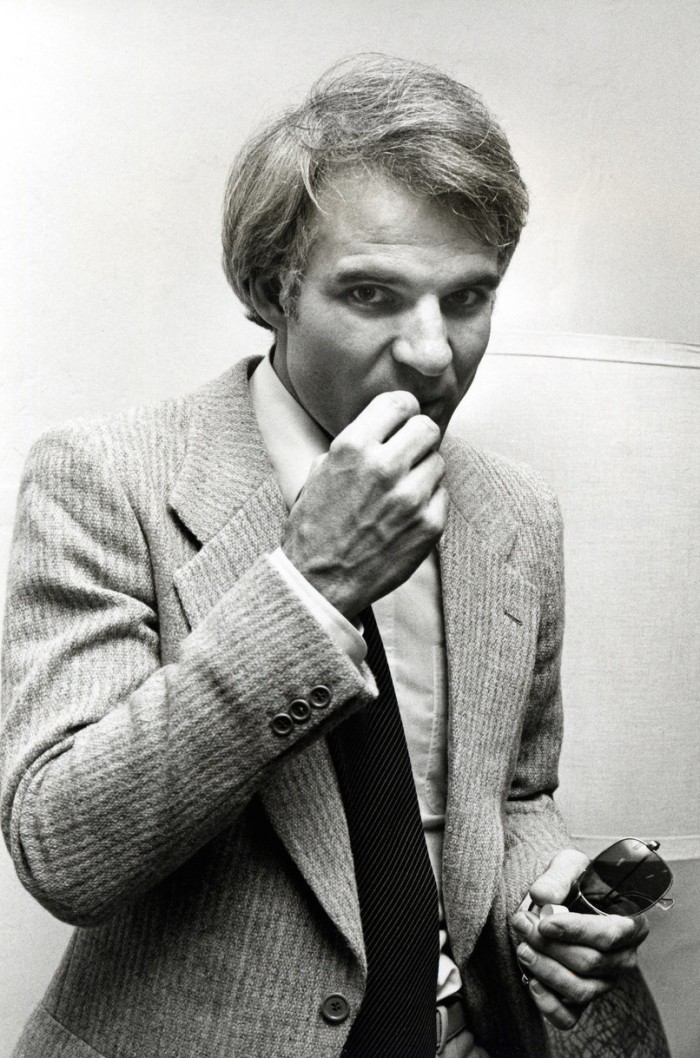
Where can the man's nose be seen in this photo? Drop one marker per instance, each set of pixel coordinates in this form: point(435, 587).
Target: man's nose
point(423, 342)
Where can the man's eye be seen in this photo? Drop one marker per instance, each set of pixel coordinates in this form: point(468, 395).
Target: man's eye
point(367, 294)
point(465, 299)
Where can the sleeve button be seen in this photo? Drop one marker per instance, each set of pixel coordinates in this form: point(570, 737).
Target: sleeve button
point(320, 697)
point(282, 724)
point(335, 1009)
point(300, 710)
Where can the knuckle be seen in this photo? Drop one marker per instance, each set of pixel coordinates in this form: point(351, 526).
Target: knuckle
point(433, 524)
point(438, 464)
point(617, 963)
point(617, 934)
point(642, 929)
point(581, 934)
point(381, 470)
point(552, 1008)
point(442, 497)
point(581, 992)
point(344, 445)
point(404, 401)
point(590, 961)
point(543, 997)
point(406, 501)
point(430, 428)
point(434, 519)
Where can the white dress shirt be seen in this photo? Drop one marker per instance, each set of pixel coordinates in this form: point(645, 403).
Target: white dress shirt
point(409, 619)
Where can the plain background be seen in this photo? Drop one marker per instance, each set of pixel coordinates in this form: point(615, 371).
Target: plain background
point(119, 124)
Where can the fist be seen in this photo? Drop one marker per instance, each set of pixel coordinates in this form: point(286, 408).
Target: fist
point(373, 507)
point(570, 959)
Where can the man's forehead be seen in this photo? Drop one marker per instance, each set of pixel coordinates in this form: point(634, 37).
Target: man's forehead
point(367, 213)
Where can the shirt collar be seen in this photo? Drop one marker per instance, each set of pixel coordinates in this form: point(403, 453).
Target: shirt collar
point(292, 438)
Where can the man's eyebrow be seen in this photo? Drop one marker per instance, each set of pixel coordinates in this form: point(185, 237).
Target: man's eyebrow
point(363, 274)
point(490, 280)
point(371, 273)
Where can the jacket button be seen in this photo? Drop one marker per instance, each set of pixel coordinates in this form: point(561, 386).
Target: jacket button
point(320, 697)
point(300, 710)
point(335, 1009)
point(282, 724)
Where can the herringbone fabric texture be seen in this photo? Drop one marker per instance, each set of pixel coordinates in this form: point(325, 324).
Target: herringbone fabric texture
point(148, 643)
point(395, 881)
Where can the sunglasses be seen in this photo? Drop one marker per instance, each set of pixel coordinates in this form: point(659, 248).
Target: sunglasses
point(627, 878)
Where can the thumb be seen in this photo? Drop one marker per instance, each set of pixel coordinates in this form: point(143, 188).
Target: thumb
point(553, 886)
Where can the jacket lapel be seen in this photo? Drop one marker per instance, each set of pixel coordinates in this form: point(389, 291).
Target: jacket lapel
point(491, 615)
point(226, 495)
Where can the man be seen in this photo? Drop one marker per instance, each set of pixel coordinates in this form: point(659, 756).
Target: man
point(200, 769)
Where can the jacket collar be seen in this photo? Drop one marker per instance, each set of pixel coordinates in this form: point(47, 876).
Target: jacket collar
point(472, 503)
point(491, 614)
point(225, 462)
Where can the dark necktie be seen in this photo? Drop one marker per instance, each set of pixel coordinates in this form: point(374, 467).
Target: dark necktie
point(395, 881)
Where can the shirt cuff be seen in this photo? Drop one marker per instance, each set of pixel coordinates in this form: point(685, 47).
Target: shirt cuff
point(344, 634)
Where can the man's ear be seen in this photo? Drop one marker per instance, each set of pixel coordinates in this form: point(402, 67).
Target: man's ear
point(264, 293)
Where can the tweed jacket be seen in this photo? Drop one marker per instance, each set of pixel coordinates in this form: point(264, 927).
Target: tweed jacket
point(146, 798)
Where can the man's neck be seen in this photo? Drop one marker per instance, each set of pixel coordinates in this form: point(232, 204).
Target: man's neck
point(278, 360)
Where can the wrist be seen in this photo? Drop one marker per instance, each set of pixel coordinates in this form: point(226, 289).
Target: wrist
point(327, 582)
point(342, 632)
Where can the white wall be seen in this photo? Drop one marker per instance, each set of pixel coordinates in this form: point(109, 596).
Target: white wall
point(613, 425)
point(120, 120)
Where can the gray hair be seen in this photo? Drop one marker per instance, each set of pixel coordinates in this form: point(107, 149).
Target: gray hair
point(401, 118)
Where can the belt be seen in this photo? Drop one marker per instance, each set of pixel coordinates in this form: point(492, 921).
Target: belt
point(449, 1021)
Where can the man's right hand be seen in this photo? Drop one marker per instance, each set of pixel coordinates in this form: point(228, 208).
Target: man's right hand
point(373, 508)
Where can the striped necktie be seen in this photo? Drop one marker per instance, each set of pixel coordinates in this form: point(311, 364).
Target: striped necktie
point(395, 881)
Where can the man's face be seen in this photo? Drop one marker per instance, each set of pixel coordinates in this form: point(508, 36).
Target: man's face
point(397, 294)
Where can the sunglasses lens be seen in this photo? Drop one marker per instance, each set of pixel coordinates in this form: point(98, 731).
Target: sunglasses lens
point(625, 879)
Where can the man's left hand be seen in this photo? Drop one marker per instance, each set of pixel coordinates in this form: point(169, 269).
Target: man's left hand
point(570, 959)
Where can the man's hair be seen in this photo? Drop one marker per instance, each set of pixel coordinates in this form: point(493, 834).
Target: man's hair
point(393, 116)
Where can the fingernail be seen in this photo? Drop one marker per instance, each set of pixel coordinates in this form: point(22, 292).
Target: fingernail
point(536, 987)
point(550, 927)
point(525, 953)
point(521, 923)
point(524, 921)
point(553, 909)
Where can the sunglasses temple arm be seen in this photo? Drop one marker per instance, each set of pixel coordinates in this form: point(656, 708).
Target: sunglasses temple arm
point(574, 900)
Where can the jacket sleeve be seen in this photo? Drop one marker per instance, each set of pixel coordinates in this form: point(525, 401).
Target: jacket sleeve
point(117, 768)
point(534, 829)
